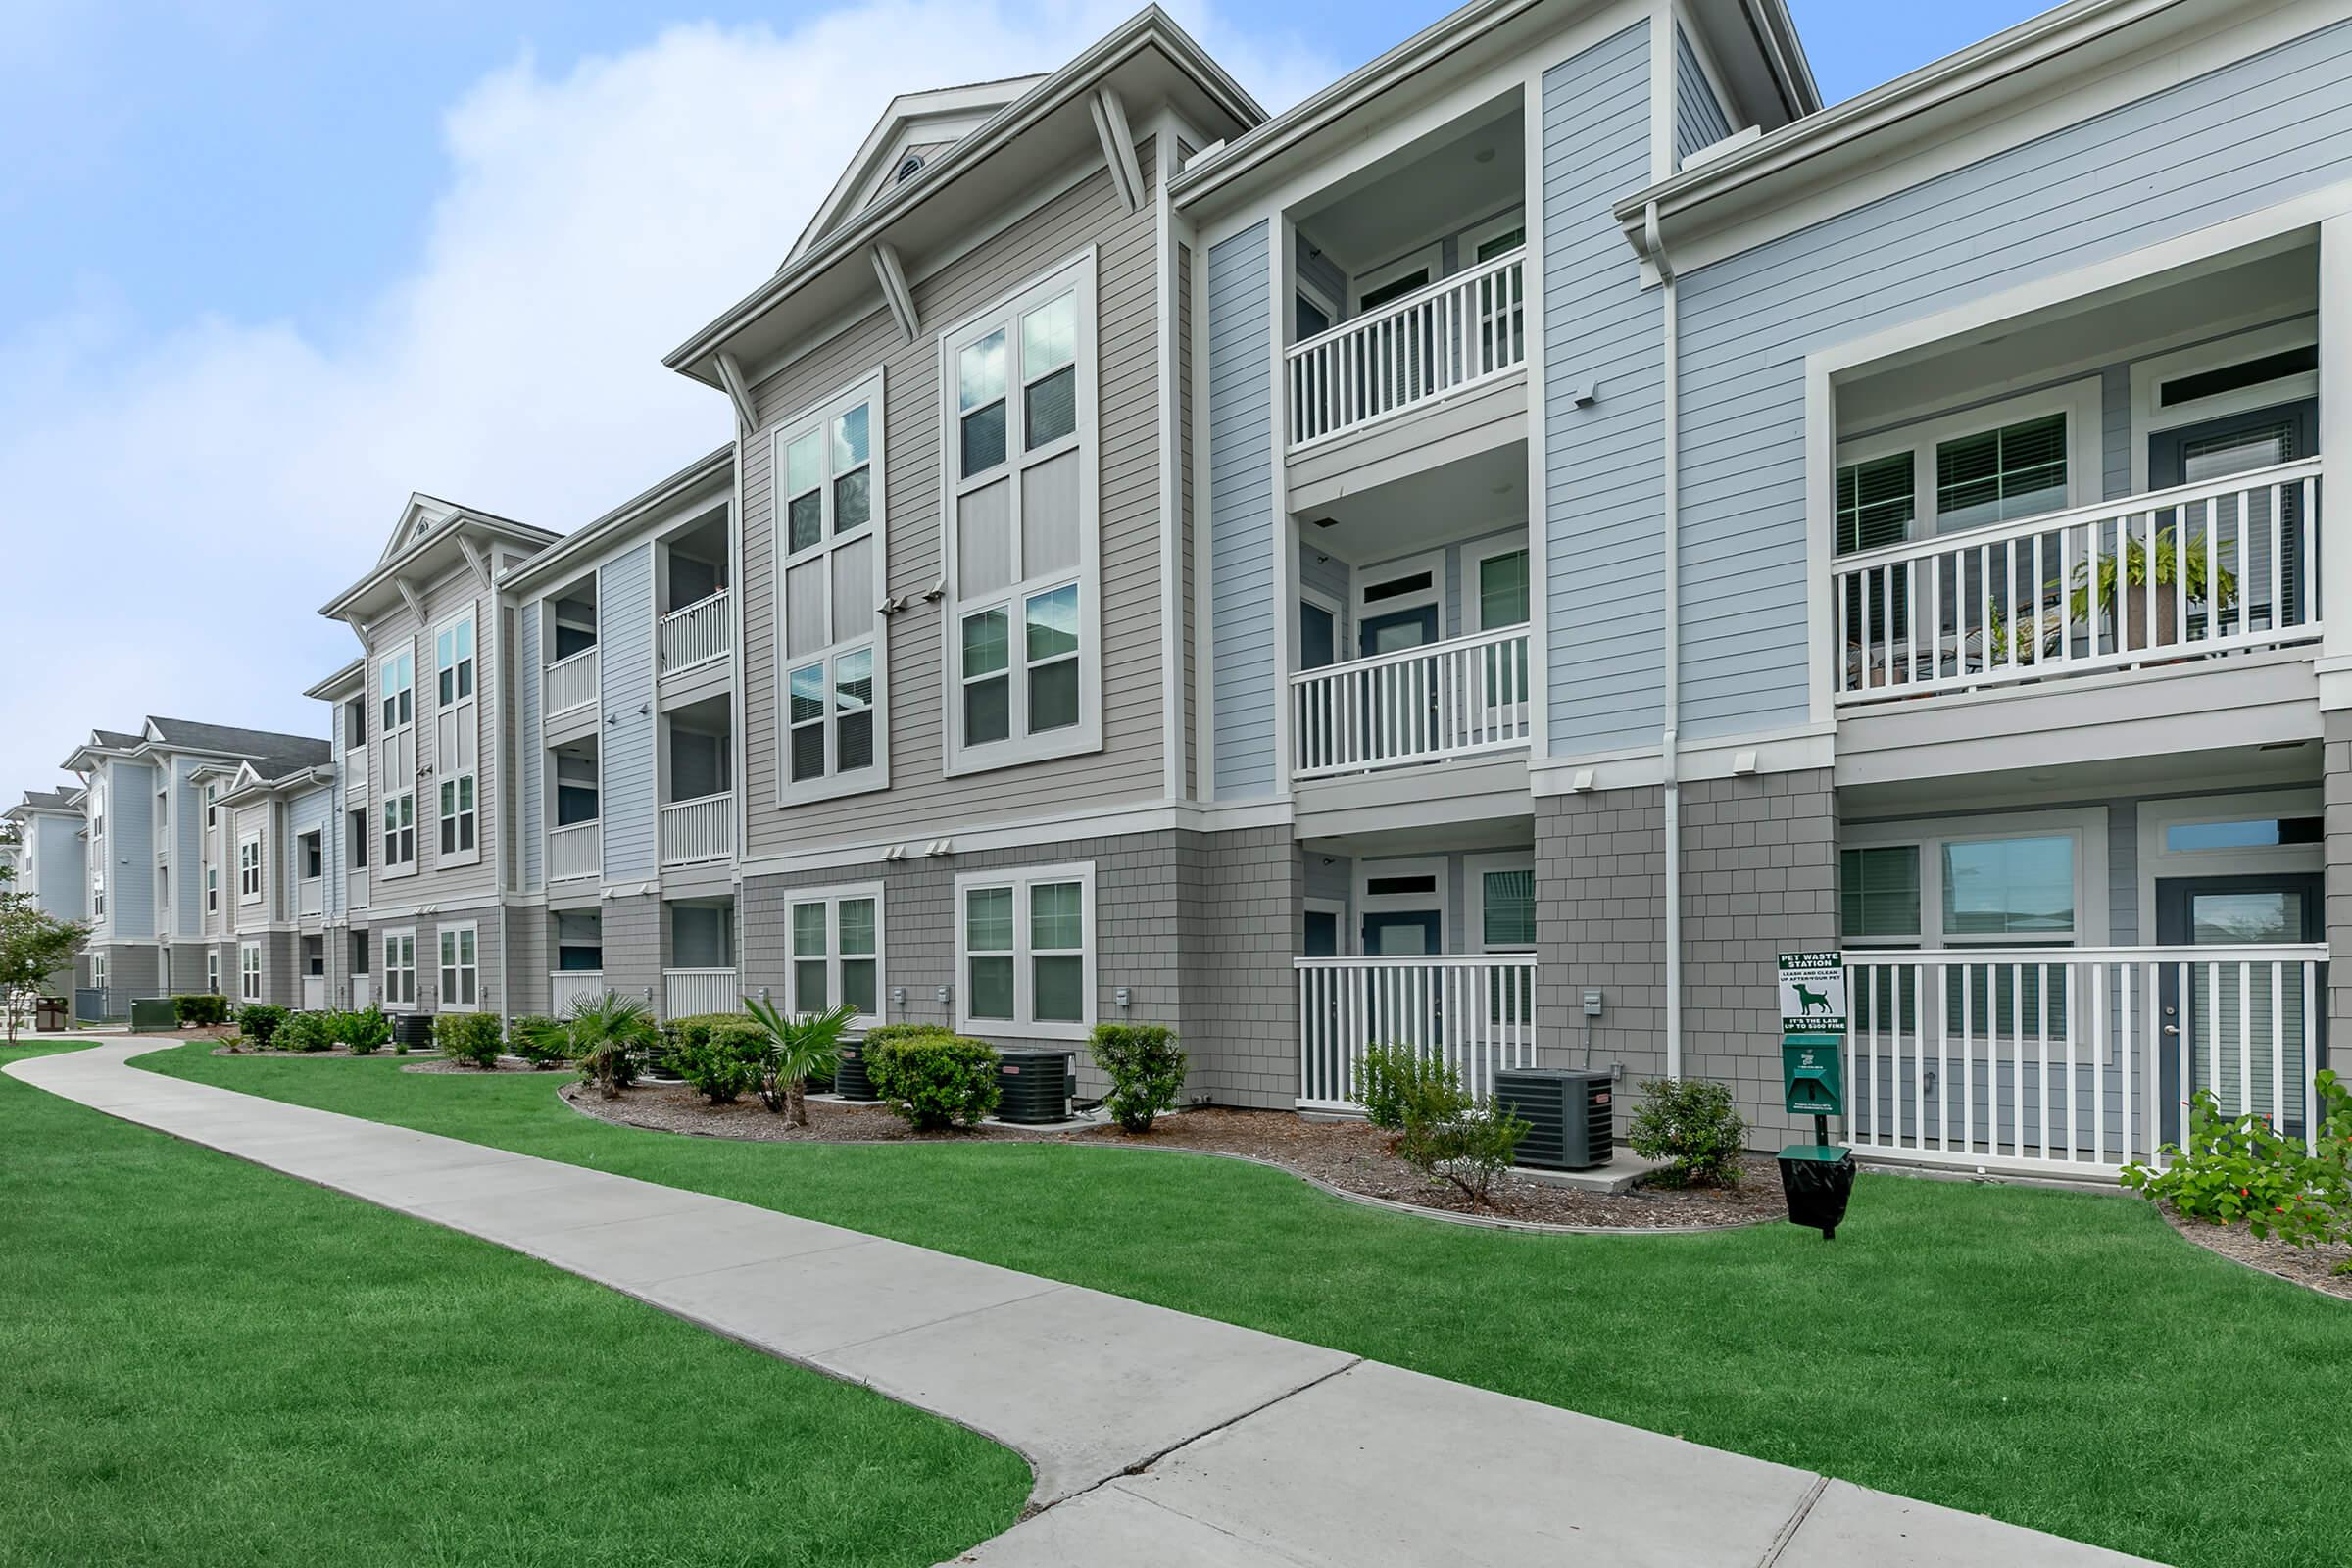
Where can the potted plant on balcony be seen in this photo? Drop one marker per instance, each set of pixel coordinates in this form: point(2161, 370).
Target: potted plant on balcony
point(2166, 564)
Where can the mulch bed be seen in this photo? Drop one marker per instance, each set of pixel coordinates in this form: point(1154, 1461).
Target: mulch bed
point(344, 1052)
point(2313, 1266)
point(505, 1065)
point(1346, 1154)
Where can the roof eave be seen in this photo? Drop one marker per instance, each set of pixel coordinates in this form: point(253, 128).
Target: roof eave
point(620, 518)
point(501, 527)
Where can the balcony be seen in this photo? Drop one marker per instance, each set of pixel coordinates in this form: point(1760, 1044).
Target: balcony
point(1472, 1011)
point(356, 889)
point(309, 895)
point(362, 991)
point(1454, 335)
point(313, 991)
point(1464, 697)
point(699, 830)
point(574, 851)
point(695, 635)
point(568, 987)
point(685, 992)
point(569, 683)
point(2072, 593)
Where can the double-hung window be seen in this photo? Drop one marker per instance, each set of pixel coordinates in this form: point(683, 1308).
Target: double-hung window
point(1023, 650)
point(211, 889)
point(832, 555)
point(211, 971)
point(396, 753)
point(1025, 941)
point(249, 870)
point(400, 968)
point(249, 971)
point(460, 968)
point(836, 951)
point(456, 740)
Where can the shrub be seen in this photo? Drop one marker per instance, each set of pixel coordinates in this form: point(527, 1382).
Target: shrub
point(606, 1038)
point(303, 1031)
point(468, 1037)
point(366, 1030)
point(201, 1012)
point(791, 1051)
point(934, 1079)
point(891, 1034)
point(541, 1040)
point(1469, 1148)
point(1399, 1084)
point(1145, 1067)
point(1689, 1124)
point(259, 1020)
point(718, 1066)
point(2240, 1168)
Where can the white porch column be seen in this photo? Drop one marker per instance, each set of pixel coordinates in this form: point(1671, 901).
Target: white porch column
point(2335, 447)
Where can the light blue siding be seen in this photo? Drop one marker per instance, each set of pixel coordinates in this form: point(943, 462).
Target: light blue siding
point(1698, 116)
point(1604, 486)
point(65, 881)
point(2221, 145)
point(530, 745)
point(131, 850)
point(1241, 512)
point(624, 640)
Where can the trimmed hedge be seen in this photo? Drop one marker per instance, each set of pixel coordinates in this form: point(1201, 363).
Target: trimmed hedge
point(932, 1078)
point(1145, 1067)
point(200, 1012)
point(468, 1037)
point(724, 1063)
point(305, 1031)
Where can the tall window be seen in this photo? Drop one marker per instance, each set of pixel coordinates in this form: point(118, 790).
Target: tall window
point(2018, 470)
point(460, 967)
point(395, 753)
point(1024, 939)
point(249, 870)
point(249, 971)
point(1022, 651)
point(837, 949)
point(400, 968)
point(211, 971)
point(456, 740)
point(211, 889)
point(400, 832)
point(212, 807)
point(831, 543)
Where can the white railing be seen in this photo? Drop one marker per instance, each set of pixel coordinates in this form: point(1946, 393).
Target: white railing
point(309, 895)
point(354, 890)
point(1475, 1011)
point(569, 682)
point(2073, 1060)
point(691, 991)
point(696, 635)
point(355, 771)
point(1451, 699)
point(702, 829)
point(313, 991)
point(362, 991)
point(1454, 333)
point(574, 851)
point(568, 986)
point(2092, 588)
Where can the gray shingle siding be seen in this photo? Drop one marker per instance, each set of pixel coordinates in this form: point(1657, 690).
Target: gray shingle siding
point(1603, 479)
point(2213, 147)
point(1241, 514)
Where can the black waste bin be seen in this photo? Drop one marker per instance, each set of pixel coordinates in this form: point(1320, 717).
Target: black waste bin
point(1818, 1179)
point(49, 1015)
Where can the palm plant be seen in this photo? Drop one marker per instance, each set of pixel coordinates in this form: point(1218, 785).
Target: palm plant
point(607, 1032)
point(798, 1048)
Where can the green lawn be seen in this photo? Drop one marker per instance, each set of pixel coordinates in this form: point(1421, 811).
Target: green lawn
point(2060, 1360)
point(202, 1362)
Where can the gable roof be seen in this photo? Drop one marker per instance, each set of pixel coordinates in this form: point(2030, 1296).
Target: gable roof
point(114, 740)
point(922, 125)
point(271, 751)
point(48, 801)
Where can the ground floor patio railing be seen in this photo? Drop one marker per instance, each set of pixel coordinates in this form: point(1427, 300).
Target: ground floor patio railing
point(1474, 1012)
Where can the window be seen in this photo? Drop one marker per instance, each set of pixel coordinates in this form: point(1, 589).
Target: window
point(1878, 891)
point(2018, 470)
point(311, 853)
point(1023, 939)
point(1875, 502)
point(400, 831)
point(1502, 584)
point(836, 951)
point(2021, 458)
point(249, 870)
point(831, 543)
point(357, 836)
point(456, 742)
point(211, 889)
point(249, 971)
point(98, 970)
point(397, 681)
point(211, 971)
point(400, 968)
point(212, 809)
point(1022, 649)
point(396, 753)
point(1503, 893)
point(460, 968)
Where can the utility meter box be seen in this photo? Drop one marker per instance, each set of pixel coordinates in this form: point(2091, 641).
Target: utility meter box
point(1813, 1074)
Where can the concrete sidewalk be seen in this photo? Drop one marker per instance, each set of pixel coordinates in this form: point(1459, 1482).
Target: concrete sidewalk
point(1160, 1440)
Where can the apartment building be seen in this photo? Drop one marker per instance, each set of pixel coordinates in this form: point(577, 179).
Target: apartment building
point(49, 856)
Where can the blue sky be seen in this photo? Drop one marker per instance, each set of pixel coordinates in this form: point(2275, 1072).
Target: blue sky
point(266, 266)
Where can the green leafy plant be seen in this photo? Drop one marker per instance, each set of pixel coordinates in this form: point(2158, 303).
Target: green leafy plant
point(470, 1038)
point(2241, 1169)
point(684, 1033)
point(608, 1035)
point(933, 1080)
point(1689, 1123)
point(365, 1030)
point(891, 1034)
point(1145, 1069)
point(718, 1069)
point(2136, 564)
point(303, 1031)
point(539, 1040)
point(260, 1021)
point(34, 944)
point(1469, 1148)
point(794, 1050)
point(1397, 1082)
point(200, 1012)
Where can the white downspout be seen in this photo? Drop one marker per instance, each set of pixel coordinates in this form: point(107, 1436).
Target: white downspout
point(1669, 746)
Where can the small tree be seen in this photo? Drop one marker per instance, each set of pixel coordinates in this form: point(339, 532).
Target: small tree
point(33, 945)
point(798, 1048)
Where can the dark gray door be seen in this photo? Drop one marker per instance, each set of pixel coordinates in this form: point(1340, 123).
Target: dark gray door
point(2221, 913)
point(2241, 443)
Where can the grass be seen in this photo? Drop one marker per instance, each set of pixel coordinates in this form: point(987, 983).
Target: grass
point(2059, 1361)
point(202, 1362)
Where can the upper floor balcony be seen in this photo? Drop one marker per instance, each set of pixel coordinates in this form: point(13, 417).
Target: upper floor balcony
point(697, 771)
point(569, 678)
point(1441, 339)
point(696, 635)
point(694, 632)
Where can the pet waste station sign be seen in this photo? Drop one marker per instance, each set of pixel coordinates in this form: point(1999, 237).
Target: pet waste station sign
point(1813, 993)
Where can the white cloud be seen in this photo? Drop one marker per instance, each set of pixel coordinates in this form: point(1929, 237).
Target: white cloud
point(177, 509)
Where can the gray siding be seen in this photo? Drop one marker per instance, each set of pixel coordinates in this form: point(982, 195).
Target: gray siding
point(187, 851)
point(1241, 514)
point(921, 795)
point(1188, 589)
point(530, 747)
point(130, 851)
point(624, 631)
point(1698, 116)
point(314, 808)
point(2219, 145)
point(1603, 479)
point(61, 854)
point(463, 883)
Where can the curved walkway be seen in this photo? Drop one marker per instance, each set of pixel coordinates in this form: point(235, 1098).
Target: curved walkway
point(1160, 1440)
